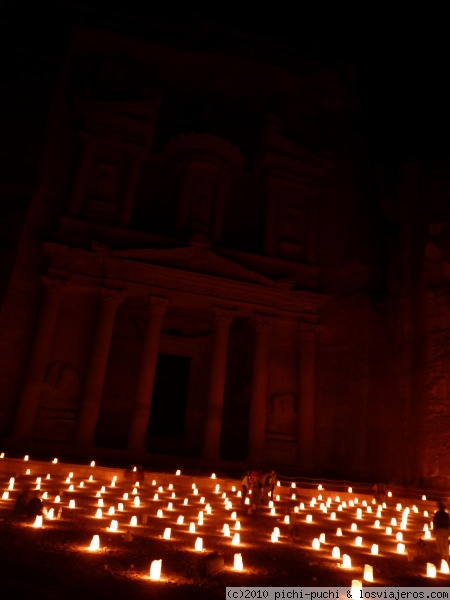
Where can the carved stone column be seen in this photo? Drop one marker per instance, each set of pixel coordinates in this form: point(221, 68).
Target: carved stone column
point(136, 157)
point(258, 406)
point(141, 413)
point(213, 424)
point(93, 388)
point(306, 423)
point(88, 142)
point(29, 398)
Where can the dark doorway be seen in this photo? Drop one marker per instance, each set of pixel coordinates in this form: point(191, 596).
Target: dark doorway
point(169, 397)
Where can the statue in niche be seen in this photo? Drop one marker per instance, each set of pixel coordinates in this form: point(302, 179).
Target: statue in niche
point(105, 182)
point(61, 388)
point(282, 414)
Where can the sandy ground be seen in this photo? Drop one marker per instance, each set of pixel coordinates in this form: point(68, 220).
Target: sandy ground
point(54, 562)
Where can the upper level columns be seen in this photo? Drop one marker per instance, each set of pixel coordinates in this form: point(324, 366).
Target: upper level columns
point(88, 142)
point(258, 404)
point(29, 399)
point(135, 161)
point(141, 413)
point(306, 423)
point(93, 389)
point(213, 424)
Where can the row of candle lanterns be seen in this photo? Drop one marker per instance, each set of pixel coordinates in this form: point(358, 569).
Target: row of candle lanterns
point(275, 535)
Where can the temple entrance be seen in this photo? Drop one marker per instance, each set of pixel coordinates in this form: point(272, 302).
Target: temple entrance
point(170, 392)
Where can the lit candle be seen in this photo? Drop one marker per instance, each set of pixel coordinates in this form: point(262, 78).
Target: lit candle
point(238, 564)
point(95, 544)
point(166, 534)
point(38, 521)
point(114, 526)
point(155, 569)
point(346, 562)
point(431, 570)
point(336, 552)
point(199, 544)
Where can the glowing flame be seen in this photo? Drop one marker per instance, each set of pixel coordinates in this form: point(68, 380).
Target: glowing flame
point(155, 569)
point(346, 562)
point(336, 552)
point(38, 521)
point(199, 544)
point(95, 544)
point(238, 564)
point(431, 570)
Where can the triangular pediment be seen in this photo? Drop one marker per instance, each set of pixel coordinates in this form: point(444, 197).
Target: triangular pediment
point(196, 258)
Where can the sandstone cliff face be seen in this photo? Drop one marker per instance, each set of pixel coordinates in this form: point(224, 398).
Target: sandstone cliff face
point(269, 167)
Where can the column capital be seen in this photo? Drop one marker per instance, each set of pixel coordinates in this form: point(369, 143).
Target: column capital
point(262, 322)
point(223, 315)
point(111, 297)
point(53, 286)
point(308, 330)
point(156, 304)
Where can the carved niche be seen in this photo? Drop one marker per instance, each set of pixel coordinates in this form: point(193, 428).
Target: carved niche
point(293, 178)
point(209, 167)
point(282, 417)
point(59, 402)
point(113, 141)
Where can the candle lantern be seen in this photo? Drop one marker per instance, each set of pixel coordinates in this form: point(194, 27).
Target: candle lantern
point(368, 573)
point(336, 552)
point(199, 544)
point(38, 521)
point(346, 562)
point(95, 544)
point(155, 569)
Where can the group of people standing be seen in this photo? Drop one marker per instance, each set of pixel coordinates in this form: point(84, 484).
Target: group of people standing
point(260, 484)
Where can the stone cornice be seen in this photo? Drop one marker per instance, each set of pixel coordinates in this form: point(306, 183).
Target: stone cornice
point(189, 145)
point(116, 272)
